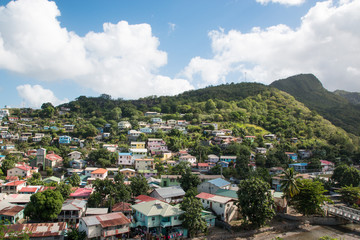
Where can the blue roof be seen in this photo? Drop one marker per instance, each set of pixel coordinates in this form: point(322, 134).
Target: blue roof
point(124, 154)
point(298, 164)
point(219, 182)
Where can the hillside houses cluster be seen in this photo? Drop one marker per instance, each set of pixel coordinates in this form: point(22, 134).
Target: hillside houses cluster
point(157, 213)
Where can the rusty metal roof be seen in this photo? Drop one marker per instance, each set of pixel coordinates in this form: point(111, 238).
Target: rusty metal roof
point(10, 210)
point(40, 229)
point(107, 220)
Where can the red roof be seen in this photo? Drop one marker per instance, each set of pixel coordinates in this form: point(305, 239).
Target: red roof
point(144, 198)
point(326, 162)
point(203, 164)
point(28, 189)
point(24, 167)
point(15, 183)
point(53, 157)
point(205, 195)
point(82, 193)
point(12, 178)
point(99, 171)
point(121, 207)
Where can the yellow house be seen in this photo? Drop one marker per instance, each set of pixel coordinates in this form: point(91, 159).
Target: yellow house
point(138, 145)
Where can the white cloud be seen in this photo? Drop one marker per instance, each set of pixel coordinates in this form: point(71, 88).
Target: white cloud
point(123, 60)
point(35, 96)
point(327, 43)
point(285, 2)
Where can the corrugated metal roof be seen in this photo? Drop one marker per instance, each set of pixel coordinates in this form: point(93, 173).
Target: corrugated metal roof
point(73, 204)
point(156, 208)
point(214, 198)
point(168, 192)
point(40, 229)
point(107, 220)
point(219, 182)
point(113, 219)
point(7, 209)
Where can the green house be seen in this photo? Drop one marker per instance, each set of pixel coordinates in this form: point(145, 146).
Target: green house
point(170, 180)
point(156, 214)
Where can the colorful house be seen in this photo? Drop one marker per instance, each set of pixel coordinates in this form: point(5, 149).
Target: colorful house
point(157, 215)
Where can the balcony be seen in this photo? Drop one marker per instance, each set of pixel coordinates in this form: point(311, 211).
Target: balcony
point(137, 224)
point(165, 224)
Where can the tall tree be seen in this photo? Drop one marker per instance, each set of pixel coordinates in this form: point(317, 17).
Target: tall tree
point(192, 219)
point(44, 206)
point(310, 197)
point(346, 176)
point(75, 180)
point(255, 203)
point(139, 185)
point(189, 180)
point(289, 183)
point(349, 194)
point(64, 189)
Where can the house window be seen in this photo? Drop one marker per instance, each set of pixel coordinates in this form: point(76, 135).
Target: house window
point(175, 218)
point(221, 205)
point(207, 202)
point(203, 200)
point(153, 218)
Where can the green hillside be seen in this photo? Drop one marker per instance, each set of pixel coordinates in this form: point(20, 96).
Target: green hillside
point(246, 108)
point(307, 89)
point(352, 97)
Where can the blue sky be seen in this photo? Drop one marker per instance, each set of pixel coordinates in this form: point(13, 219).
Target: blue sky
point(59, 50)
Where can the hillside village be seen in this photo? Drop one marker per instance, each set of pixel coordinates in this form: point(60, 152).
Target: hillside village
point(128, 179)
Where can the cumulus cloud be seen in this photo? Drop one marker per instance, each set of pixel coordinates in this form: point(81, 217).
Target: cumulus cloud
point(327, 43)
point(122, 60)
point(35, 96)
point(284, 2)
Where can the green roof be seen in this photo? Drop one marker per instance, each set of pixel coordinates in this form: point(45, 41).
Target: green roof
point(226, 193)
point(52, 179)
point(156, 208)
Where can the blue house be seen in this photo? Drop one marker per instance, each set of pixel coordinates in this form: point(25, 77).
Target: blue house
point(292, 156)
point(64, 139)
point(228, 159)
point(146, 130)
point(299, 167)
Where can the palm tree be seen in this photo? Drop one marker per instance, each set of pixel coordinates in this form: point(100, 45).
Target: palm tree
point(289, 184)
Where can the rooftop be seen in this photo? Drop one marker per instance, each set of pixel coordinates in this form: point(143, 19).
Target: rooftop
point(40, 230)
point(107, 220)
point(168, 192)
point(155, 208)
point(99, 171)
point(219, 182)
point(214, 198)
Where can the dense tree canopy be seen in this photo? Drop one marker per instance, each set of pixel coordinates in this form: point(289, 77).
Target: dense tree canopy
point(44, 206)
point(255, 203)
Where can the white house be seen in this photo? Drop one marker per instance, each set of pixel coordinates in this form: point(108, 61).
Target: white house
point(75, 155)
point(125, 159)
point(213, 158)
point(100, 173)
point(224, 207)
point(124, 125)
point(188, 158)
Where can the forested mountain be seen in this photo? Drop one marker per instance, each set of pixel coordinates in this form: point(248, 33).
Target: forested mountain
point(352, 97)
point(307, 89)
